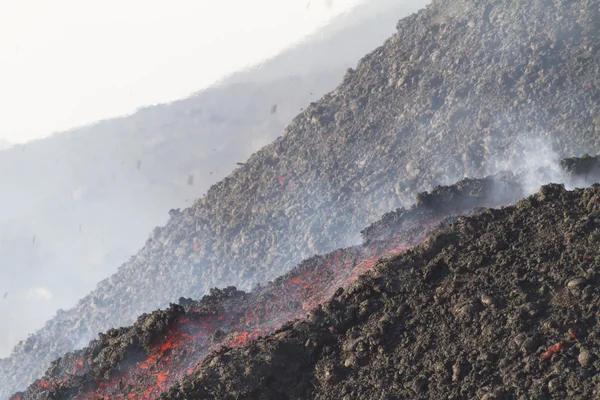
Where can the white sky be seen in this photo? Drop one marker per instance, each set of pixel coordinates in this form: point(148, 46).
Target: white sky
point(65, 63)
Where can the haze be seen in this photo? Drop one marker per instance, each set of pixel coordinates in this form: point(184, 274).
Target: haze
point(67, 62)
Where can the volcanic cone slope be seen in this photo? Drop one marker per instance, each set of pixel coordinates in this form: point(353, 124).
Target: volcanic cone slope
point(160, 157)
point(500, 305)
point(451, 93)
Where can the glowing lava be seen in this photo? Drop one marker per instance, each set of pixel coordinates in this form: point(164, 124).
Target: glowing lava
point(193, 335)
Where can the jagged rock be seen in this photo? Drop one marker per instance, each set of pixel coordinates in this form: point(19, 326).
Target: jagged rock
point(238, 312)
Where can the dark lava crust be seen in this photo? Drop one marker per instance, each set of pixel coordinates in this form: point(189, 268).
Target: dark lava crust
point(469, 314)
point(456, 92)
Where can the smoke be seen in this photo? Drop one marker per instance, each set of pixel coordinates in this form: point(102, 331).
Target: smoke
point(530, 157)
point(5, 144)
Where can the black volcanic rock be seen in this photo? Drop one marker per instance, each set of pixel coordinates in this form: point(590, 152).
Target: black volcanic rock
point(511, 314)
point(583, 170)
point(465, 195)
point(460, 90)
point(84, 186)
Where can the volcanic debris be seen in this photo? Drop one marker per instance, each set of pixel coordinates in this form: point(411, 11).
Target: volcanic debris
point(162, 347)
point(501, 303)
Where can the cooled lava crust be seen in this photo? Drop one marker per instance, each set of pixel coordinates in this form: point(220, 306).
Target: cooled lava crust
point(143, 361)
point(503, 304)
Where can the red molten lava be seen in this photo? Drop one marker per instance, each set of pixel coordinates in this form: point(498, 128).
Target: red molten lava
point(191, 336)
point(555, 348)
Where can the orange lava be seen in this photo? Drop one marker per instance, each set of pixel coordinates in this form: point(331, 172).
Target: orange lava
point(555, 348)
point(192, 336)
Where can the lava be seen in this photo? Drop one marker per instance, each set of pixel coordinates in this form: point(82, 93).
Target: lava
point(191, 336)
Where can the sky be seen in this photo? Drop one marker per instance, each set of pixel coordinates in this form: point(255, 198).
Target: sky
point(67, 63)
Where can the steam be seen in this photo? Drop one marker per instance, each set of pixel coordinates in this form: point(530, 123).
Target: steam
point(532, 159)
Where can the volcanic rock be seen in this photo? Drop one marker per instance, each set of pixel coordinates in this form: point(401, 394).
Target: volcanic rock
point(585, 358)
point(464, 88)
point(430, 354)
point(161, 347)
point(164, 345)
point(199, 137)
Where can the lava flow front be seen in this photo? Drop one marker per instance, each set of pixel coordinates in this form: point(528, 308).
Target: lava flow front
point(143, 361)
point(190, 336)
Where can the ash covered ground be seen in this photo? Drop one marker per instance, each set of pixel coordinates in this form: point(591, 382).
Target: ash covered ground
point(150, 357)
point(464, 88)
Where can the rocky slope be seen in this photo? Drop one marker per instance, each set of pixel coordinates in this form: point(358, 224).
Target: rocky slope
point(74, 189)
point(500, 305)
point(146, 358)
point(80, 193)
point(159, 349)
point(463, 87)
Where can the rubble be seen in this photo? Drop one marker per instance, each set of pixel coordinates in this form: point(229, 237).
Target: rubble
point(391, 331)
point(159, 349)
point(146, 358)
